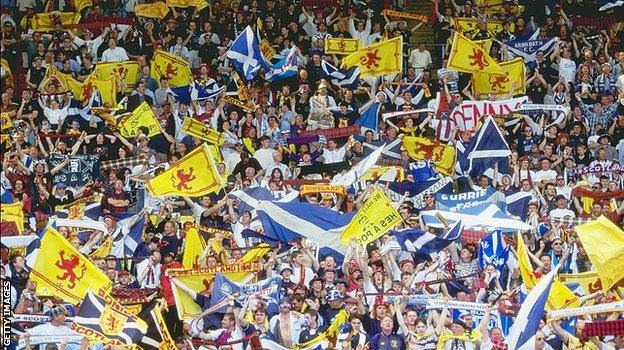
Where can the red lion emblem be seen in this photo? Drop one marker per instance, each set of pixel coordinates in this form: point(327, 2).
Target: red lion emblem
point(183, 179)
point(370, 59)
point(342, 45)
point(478, 59)
point(69, 265)
point(87, 90)
point(429, 151)
point(497, 81)
point(169, 72)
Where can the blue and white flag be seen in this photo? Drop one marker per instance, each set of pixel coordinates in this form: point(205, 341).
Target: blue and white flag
point(417, 241)
point(369, 119)
point(249, 198)
point(458, 201)
point(286, 67)
point(518, 204)
point(348, 79)
point(522, 332)
point(493, 250)
point(90, 207)
point(129, 233)
point(194, 92)
point(288, 221)
point(391, 150)
point(358, 170)
point(269, 289)
point(482, 215)
point(416, 190)
point(527, 48)
point(607, 4)
point(246, 54)
point(26, 246)
point(487, 147)
point(422, 170)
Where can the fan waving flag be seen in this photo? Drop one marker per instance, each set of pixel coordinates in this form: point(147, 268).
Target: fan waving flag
point(382, 58)
point(420, 148)
point(348, 79)
point(286, 67)
point(222, 287)
point(488, 147)
point(502, 84)
point(246, 54)
point(174, 67)
point(422, 242)
point(194, 175)
point(104, 320)
point(522, 332)
point(129, 233)
point(493, 250)
point(466, 56)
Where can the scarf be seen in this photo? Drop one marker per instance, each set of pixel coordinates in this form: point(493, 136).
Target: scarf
point(600, 328)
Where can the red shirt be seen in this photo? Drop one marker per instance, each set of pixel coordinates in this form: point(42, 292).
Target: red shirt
point(165, 283)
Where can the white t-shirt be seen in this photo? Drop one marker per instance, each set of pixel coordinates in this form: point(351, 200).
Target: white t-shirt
point(545, 175)
point(567, 70)
point(561, 213)
point(117, 54)
point(334, 156)
point(264, 157)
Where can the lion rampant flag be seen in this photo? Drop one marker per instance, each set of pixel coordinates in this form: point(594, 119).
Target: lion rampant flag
point(420, 148)
point(7, 70)
point(6, 121)
point(156, 10)
point(126, 70)
point(141, 116)
point(466, 56)
point(342, 46)
point(107, 87)
point(70, 83)
point(194, 175)
point(64, 271)
point(45, 22)
point(385, 57)
point(103, 320)
point(195, 128)
point(176, 69)
point(13, 213)
point(501, 84)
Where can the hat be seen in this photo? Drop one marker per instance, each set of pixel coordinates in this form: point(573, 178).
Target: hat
point(542, 228)
point(334, 295)
point(592, 139)
point(57, 310)
point(605, 136)
point(560, 196)
point(285, 267)
point(110, 257)
point(460, 322)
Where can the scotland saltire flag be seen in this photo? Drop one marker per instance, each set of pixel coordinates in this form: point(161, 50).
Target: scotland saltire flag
point(193, 92)
point(518, 204)
point(369, 118)
point(607, 4)
point(422, 242)
point(487, 147)
point(89, 207)
point(245, 52)
point(527, 49)
point(288, 221)
point(222, 287)
point(286, 67)
point(485, 214)
point(522, 332)
point(108, 321)
point(390, 150)
point(493, 250)
point(417, 189)
point(129, 233)
point(249, 198)
point(347, 79)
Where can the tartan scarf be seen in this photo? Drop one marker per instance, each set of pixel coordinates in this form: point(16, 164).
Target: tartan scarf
point(123, 163)
point(333, 133)
point(600, 328)
point(597, 196)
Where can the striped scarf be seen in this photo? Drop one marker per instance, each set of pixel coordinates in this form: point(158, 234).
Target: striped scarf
point(601, 328)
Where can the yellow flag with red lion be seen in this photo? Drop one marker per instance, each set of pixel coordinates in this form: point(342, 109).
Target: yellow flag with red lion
point(501, 84)
point(467, 56)
point(174, 67)
point(382, 58)
point(194, 175)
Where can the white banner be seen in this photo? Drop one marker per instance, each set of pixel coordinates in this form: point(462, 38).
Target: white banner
point(467, 114)
point(616, 306)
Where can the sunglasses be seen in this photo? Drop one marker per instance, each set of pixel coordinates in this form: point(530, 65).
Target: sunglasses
point(556, 243)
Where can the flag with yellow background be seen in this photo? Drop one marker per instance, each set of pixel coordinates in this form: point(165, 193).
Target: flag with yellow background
point(45, 22)
point(468, 26)
point(141, 116)
point(420, 148)
point(193, 127)
point(342, 46)
point(376, 217)
point(107, 87)
point(6, 121)
point(198, 4)
point(126, 70)
point(468, 57)
point(13, 213)
point(194, 175)
point(385, 57)
point(82, 4)
point(63, 271)
point(604, 243)
point(156, 10)
point(502, 84)
point(64, 79)
point(193, 247)
point(7, 69)
point(174, 67)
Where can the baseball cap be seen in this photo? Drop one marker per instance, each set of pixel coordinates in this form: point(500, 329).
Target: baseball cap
point(334, 295)
point(285, 267)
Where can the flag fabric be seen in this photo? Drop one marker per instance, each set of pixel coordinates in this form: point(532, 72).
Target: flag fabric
point(69, 82)
point(193, 248)
point(126, 70)
point(456, 201)
point(518, 204)
point(222, 287)
point(604, 243)
point(194, 92)
point(527, 48)
point(250, 197)
point(26, 246)
point(198, 4)
point(106, 87)
point(102, 319)
point(468, 26)
point(385, 57)
point(482, 215)
point(246, 54)
point(13, 213)
point(361, 168)
point(174, 67)
point(287, 221)
point(194, 175)
point(156, 10)
point(157, 335)
point(425, 243)
point(45, 22)
point(64, 271)
point(607, 4)
point(487, 147)
point(369, 119)
point(522, 333)
point(420, 148)
point(88, 207)
point(466, 116)
point(376, 217)
point(493, 250)
point(82, 4)
point(390, 150)
point(286, 67)
point(501, 84)
point(416, 190)
point(4, 65)
point(348, 79)
point(142, 116)
point(468, 57)
point(342, 46)
point(198, 129)
point(130, 233)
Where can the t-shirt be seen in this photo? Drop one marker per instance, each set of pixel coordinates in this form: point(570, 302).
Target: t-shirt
point(545, 175)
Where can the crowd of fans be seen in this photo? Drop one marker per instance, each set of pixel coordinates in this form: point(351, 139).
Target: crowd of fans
point(584, 72)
